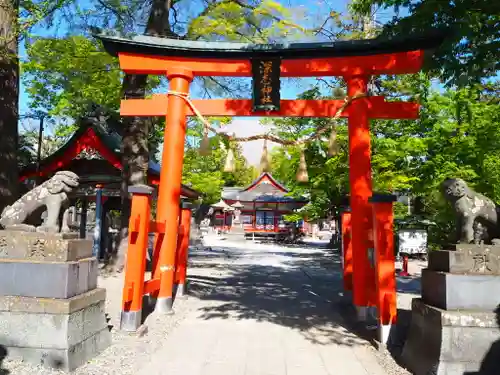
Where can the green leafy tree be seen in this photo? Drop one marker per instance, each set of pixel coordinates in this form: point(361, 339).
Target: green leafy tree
point(471, 51)
point(455, 136)
point(63, 76)
point(461, 142)
point(205, 173)
point(328, 177)
point(17, 18)
point(26, 153)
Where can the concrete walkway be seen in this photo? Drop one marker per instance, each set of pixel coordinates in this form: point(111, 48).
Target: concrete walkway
point(264, 310)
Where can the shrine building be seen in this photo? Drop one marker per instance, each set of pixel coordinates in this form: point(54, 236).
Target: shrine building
point(263, 204)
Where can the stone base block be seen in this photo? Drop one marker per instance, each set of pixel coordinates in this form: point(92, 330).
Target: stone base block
point(474, 248)
point(61, 334)
point(18, 304)
point(64, 359)
point(467, 259)
point(232, 237)
point(54, 247)
point(51, 331)
point(449, 342)
point(237, 230)
point(450, 291)
point(47, 279)
point(237, 233)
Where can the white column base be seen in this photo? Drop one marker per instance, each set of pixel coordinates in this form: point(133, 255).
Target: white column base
point(384, 333)
point(181, 291)
point(164, 305)
point(130, 321)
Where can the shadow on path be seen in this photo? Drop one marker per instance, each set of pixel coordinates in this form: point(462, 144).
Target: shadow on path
point(289, 289)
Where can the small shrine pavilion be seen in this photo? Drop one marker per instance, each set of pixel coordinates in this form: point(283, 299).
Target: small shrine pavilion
point(93, 153)
point(262, 204)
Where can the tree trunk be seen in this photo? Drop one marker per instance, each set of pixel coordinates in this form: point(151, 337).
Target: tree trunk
point(135, 150)
point(135, 159)
point(9, 97)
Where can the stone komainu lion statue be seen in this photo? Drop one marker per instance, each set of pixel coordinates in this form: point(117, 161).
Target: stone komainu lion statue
point(52, 194)
point(477, 216)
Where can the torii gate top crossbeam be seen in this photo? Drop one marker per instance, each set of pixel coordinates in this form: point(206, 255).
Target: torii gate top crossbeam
point(154, 55)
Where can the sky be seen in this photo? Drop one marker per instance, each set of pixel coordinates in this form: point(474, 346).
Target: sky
point(241, 126)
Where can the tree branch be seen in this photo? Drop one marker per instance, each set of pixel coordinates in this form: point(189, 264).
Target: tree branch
point(224, 87)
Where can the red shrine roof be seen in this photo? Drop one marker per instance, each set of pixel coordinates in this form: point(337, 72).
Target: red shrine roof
point(93, 141)
point(263, 189)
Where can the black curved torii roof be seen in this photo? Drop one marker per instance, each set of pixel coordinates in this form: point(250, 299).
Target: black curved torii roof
point(115, 43)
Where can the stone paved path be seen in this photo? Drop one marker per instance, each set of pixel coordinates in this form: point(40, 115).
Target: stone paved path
point(267, 310)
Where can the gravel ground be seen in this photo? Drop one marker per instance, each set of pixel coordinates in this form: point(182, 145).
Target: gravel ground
point(128, 352)
point(389, 364)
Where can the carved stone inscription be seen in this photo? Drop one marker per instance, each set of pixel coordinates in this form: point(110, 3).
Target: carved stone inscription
point(36, 248)
point(43, 246)
point(3, 247)
point(467, 259)
point(481, 263)
point(485, 258)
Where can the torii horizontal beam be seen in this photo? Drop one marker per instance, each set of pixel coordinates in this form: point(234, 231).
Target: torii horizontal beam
point(378, 108)
point(390, 63)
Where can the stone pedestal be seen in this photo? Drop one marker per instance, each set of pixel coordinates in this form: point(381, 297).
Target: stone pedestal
point(450, 291)
point(454, 325)
point(51, 311)
point(237, 233)
point(442, 342)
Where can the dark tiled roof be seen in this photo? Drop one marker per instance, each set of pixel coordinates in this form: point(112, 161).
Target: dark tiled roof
point(265, 192)
point(270, 178)
point(114, 43)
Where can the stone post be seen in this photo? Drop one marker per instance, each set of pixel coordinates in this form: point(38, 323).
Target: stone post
point(98, 222)
point(83, 218)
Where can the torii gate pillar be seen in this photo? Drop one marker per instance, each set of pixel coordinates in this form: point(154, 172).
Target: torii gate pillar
point(169, 193)
point(360, 181)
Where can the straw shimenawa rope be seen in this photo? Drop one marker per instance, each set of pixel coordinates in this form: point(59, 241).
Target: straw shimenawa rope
point(302, 172)
point(265, 165)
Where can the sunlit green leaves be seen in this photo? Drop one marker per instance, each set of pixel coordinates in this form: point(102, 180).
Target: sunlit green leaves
point(471, 50)
point(457, 135)
point(65, 76)
point(205, 173)
point(231, 20)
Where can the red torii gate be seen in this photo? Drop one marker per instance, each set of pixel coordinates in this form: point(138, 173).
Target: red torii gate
point(355, 61)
